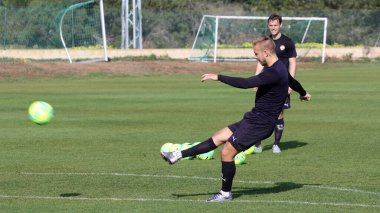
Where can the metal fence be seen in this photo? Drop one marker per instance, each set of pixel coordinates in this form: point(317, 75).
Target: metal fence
point(36, 27)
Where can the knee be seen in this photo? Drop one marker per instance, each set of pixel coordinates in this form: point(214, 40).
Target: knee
point(227, 154)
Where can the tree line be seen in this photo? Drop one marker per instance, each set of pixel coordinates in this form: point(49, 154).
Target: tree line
point(174, 23)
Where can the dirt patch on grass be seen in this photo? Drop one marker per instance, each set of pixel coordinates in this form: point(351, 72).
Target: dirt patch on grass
point(46, 70)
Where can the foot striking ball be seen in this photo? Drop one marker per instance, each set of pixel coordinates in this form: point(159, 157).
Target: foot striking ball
point(175, 147)
point(184, 147)
point(205, 156)
point(41, 112)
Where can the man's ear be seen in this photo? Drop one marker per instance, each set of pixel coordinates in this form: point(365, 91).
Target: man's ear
point(266, 53)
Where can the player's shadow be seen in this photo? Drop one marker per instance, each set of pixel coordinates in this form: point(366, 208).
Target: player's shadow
point(284, 145)
point(72, 194)
point(239, 191)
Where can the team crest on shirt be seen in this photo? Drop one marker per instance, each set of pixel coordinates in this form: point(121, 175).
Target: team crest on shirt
point(282, 47)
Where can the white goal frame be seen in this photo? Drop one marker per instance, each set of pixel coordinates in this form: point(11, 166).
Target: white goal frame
point(217, 18)
point(102, 21)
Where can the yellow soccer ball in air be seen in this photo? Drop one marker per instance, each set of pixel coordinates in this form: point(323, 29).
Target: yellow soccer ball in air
point(41, 112)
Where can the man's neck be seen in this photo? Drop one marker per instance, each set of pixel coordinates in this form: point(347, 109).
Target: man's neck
point(277, 36)
point(271, 61)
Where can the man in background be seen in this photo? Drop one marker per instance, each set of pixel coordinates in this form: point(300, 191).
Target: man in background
point(286, 52)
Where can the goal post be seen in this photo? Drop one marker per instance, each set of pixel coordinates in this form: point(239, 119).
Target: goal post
point(82, 28)
point(228, 38)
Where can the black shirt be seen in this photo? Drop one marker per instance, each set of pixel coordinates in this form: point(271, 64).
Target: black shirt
point(285, 49)
point(272, 83)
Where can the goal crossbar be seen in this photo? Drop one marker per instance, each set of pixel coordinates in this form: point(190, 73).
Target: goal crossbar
point(217, 18)
point(103, 31)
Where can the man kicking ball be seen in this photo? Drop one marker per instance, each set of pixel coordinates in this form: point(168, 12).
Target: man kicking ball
point(257, 124)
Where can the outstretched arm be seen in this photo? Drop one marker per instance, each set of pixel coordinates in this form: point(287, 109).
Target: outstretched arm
point(243, 83)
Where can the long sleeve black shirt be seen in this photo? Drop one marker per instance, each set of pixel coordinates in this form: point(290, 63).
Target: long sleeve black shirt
point(272, 83)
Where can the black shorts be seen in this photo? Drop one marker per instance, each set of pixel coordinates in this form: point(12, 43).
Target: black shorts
point(287, 103)
point(246, 133)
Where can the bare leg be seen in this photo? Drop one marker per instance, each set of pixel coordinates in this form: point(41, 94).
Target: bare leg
point(212, 143)
point(221, 136)
point(228, 166)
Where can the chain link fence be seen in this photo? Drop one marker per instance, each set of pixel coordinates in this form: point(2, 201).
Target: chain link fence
point(36, 27)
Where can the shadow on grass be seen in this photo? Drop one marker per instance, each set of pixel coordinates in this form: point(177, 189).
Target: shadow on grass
point(287, 145)
point(239, 191)
point(74, 194)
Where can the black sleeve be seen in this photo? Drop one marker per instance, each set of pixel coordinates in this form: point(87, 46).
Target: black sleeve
point(296, 86)
point(263, 78)
point(292, 50)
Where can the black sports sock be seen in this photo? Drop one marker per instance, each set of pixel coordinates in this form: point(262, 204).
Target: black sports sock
point(279, 128)
point(228, 173)
point(201, 148)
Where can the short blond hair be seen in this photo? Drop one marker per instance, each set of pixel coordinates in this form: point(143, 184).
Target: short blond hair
point(266, 43)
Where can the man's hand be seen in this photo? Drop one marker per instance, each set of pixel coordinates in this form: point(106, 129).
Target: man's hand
point(307, 97)
point(209, 76)
point(290, 90)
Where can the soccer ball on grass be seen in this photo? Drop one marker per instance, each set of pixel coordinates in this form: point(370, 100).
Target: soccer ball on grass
point(240, 158)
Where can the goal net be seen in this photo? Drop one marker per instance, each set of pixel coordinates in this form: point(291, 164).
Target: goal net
point(229, 38)
point(82, 31)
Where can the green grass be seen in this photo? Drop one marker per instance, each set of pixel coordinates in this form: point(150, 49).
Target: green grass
point(101, 151)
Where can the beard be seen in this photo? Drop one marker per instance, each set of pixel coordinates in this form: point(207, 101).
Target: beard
point(262, 62)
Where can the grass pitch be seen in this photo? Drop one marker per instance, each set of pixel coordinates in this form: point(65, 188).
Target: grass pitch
point(101, 151)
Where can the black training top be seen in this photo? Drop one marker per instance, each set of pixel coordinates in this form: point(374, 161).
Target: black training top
point(285, 49)
point(272, 83)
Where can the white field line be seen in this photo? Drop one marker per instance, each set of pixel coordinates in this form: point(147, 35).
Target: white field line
point(186, 201)
point(186, 177)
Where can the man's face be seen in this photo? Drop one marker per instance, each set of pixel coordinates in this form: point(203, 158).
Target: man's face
point(260, 55)
point(274, 27)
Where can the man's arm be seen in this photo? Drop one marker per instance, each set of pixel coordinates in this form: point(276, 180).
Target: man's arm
point(296, 86)
point(292, 69)
point(292, 66)
point(243, 83)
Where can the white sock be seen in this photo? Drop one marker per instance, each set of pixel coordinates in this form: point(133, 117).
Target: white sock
point(225, 194)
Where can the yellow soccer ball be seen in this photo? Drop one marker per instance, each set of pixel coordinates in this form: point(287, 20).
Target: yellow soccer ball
point(41, 112)
point(206, 156)
point(166, 147)
point(250, 150)
point(240, 158)
point(175, 147)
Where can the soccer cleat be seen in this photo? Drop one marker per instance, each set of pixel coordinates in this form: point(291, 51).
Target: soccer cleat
point(219, 198)
point(276, 149)
point(171, 157)
point(258, 149)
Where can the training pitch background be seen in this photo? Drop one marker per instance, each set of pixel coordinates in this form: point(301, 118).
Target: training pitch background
point(101, 151)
